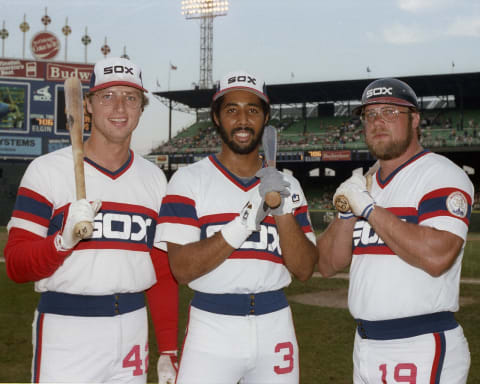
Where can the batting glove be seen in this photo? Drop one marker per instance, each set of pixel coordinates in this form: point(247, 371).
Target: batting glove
point(271, 180)
point(355, 190)
point(80, 210)
point(239, 229)
point(288, 205)
point(167, 367)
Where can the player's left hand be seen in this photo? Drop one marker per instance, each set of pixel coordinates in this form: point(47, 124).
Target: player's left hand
point(78, 211)
point(288, 205)
point(167, 367)
point(272, 180)
point(355, 190)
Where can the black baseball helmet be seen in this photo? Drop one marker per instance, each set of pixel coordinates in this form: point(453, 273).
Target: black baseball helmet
point(388, 91)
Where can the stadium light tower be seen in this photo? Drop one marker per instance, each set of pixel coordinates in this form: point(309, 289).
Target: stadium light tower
point(206, 11)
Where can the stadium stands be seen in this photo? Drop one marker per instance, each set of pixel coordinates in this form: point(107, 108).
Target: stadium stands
point(440, 128)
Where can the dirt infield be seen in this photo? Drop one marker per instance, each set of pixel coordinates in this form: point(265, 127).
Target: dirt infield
point(331, 299)
point(338, 299)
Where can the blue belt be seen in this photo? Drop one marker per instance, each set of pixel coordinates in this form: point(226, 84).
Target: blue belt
point(83, 305)
point(406, 326)
point(240, 304)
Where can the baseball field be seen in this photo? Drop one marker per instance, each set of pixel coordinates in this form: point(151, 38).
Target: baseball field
point(324, 326)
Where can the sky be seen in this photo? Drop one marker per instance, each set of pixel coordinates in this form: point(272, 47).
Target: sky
point(282, 41)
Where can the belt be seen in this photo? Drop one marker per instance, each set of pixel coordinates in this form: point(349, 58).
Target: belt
point(240, 304)
point(406, 326)
point(86, 305)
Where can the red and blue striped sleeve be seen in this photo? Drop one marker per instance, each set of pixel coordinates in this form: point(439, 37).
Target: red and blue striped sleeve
point(449, 202)
point(178, 209)
point(32, 207)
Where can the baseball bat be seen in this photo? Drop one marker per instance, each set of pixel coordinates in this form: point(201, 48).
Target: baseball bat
point(74, 112)
point(269, 143)
point(341, 202)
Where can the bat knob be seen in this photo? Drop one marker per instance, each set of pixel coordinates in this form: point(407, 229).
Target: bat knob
point(273, 199)
point(342, 204)
point(83, 230)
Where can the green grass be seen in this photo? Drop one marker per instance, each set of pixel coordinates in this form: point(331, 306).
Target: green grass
point(471, 259)
point(325, 335)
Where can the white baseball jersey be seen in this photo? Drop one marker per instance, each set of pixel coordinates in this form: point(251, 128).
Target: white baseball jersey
point(228, 347)
point(203, 197)
point(117, 257)
point(427, 190)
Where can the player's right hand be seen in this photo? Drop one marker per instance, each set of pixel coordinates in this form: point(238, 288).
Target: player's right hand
point(254, 212)
point(167, 367)
point(78, 211)
point(239, 229)
point(355, 190)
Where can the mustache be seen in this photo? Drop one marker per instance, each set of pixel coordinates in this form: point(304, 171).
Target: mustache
point(250, 130)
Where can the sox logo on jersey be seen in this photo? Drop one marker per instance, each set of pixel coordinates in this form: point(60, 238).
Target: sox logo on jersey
point(122, 226)
point(268, 239)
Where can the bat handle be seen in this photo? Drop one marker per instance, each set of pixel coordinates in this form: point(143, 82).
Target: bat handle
point(341, 202)
point(273, 199)
point(369, 183)
point(83, 229)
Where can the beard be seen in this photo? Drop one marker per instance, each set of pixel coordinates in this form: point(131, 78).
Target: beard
point(393, 149)
point(234, 147)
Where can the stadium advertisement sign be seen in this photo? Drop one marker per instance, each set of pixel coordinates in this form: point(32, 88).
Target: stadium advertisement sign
point(32, 106)
point(45, 45)
point(336, 155)
point(317, 155)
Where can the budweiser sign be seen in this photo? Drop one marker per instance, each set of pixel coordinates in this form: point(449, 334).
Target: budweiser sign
point(45, 45)
point(336, 156)
point(61, 72)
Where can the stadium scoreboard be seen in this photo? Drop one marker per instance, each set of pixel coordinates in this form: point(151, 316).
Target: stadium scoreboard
point(32, 106)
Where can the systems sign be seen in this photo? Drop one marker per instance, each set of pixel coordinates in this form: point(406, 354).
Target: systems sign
point(32, 106)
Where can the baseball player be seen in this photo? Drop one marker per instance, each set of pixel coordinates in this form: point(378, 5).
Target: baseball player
point(91, 321)
point(404, 242)
point(236, 255)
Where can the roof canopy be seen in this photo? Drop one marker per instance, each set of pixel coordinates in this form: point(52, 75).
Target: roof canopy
point(464, 86)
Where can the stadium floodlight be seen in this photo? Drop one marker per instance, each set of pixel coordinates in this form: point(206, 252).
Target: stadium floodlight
point(197, 9)
point(206, 11)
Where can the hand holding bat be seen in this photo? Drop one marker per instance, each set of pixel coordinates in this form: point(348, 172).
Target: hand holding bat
point(340, 199)
point(74, 112)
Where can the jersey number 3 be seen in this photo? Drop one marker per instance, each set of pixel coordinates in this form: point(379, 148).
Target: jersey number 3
point(287, 349)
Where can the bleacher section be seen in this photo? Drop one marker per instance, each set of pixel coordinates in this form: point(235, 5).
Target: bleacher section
point(440, 128)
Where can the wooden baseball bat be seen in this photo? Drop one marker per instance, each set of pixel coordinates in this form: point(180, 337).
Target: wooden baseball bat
point(74, 112)
point(341, 202)
point(269, 143)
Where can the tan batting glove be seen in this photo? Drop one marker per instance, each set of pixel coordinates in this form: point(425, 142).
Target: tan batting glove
point(167, 367)
point(78, 211)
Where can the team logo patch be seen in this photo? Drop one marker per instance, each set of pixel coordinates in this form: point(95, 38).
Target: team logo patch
point(457, 204)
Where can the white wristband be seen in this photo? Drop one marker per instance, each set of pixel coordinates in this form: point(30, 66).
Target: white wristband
point(58, 242)
point(235, 233)
point(346, 215)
